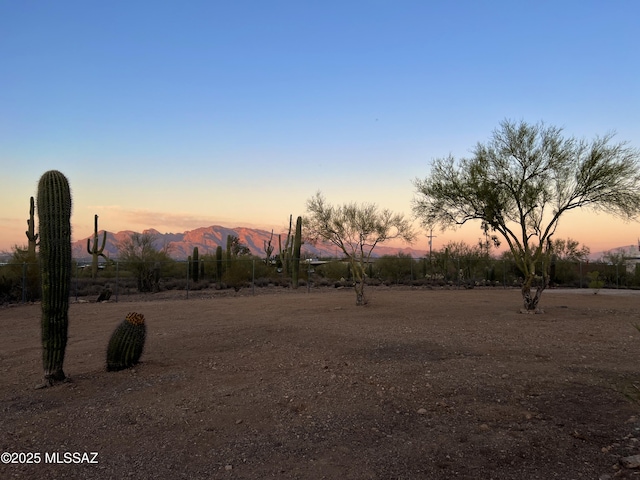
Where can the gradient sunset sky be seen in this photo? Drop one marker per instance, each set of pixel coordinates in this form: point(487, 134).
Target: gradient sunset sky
point(176, 115)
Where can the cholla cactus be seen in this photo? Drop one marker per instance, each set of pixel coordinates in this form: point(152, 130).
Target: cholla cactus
point(127, 343)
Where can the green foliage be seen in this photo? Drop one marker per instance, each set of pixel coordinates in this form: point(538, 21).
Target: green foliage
point(335, 270)
point(235, 248)
point(20, 277)
point(54, 219)
point(594, 281)
point(355, 230)
point(570, 250)
point(238, 267)
point(400, 268)
point(238, 274)
point(144, 260)
point(567, 254)
point(521, 183)
point(126, 343)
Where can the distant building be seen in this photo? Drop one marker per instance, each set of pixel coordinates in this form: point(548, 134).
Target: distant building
point(630, 256)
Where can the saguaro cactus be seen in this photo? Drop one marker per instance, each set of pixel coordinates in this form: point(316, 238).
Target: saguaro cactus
point(127, 342)
point(54, 219)
point(268, 249)
point(195, 265)
point(219, 263)
point(31, 235)
point(285, 254)
point(96, 252)
point(297, 243)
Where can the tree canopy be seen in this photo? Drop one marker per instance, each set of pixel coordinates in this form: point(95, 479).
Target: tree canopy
point(142, 257)
point(356, 230)
point(522, 181)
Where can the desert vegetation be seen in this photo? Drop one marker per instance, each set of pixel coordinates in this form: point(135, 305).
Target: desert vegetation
point(517, 186)
point(522, 182)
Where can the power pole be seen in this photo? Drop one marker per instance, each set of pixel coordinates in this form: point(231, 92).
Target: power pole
point(431, 236)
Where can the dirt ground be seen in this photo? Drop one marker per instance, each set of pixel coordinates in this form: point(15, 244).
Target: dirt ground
point(420, 383)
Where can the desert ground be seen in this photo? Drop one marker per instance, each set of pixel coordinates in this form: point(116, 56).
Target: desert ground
point(419, 384)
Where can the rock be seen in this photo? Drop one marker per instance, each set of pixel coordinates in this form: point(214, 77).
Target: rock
point(422, 411)
point(631, 462)
point(228, 467)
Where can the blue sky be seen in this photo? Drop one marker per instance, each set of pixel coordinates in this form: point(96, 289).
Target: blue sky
point(176, 115)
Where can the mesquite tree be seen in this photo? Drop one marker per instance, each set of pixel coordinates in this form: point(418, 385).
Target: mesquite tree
point(355, 230)
point(522, 181)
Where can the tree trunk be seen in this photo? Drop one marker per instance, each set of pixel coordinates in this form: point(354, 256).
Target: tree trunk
point(360, 297)
point(531, 302)
point(358, 282)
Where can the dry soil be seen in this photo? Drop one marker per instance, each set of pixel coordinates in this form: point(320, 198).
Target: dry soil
point(420, 383)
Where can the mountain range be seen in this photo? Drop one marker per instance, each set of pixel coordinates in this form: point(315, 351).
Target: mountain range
point(207, 239)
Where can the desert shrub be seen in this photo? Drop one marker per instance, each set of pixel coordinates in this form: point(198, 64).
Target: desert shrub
point(200, 285)
point(238, 274)
point(334, 270)
point(262, 282)
point(20, 278)
point(594, 280)
point(398, 268)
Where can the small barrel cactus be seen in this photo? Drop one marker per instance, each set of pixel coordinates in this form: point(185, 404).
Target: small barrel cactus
point(127, 343)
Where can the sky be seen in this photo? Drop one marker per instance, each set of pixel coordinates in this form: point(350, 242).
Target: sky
point(177, 115)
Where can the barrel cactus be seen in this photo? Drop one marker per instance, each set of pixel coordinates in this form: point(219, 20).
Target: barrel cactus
point(127, 343)
point(54, 218)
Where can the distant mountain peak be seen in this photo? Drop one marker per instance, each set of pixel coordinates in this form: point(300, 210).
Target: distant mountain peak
point(207, 239)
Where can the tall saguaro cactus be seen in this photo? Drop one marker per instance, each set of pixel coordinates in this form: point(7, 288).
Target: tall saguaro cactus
point(54, 219)
point(96, 251)
point(31, 235)
point(285, 254)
